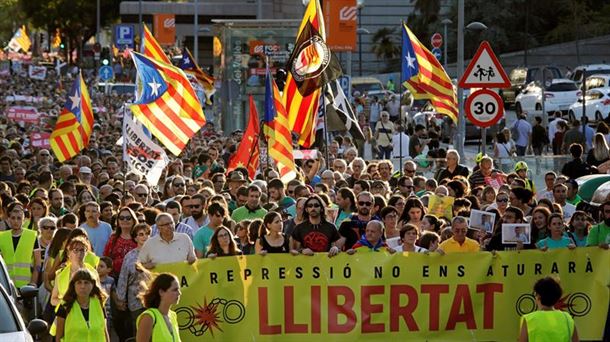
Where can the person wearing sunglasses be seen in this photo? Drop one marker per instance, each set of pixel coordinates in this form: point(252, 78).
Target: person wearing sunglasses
point(122, 240)
point(315, 234)
point(46, 228)
point(354, 227)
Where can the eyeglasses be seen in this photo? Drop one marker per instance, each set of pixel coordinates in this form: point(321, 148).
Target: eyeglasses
point(313, 205)
point(501, 199)
point(409, 171)
point(79, 250)
point(48, 227)
point(363, 204)
point(180, 185)
point(125, 218)
point(143, 234)
point(45, 155)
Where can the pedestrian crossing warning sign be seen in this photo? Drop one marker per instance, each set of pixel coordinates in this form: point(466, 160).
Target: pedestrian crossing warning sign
point(484, 70)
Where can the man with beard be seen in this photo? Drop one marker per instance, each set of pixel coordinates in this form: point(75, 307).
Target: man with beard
point(278, 195)
point(315, 234)
point(198, 217)
point(560, 196)
point(346, 201)
point(353, 228)
point(56, 198)
point(98, 231)
point(252, 209)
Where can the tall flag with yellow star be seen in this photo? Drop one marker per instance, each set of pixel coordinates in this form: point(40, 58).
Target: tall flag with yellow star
point(74, 124)
point(248, 151)
point(311, 65)
point(151, 48)
point(190, 67)
point(279, 138)
point(168, 105)
point(425, 77)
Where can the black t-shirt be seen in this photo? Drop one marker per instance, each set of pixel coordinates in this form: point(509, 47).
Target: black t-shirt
point(317, 237)
point(284, 248)
point(63, 312)
point(352, 229)
point(16, 242)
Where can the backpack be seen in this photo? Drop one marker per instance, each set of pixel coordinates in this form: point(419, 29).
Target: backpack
point(514, 130)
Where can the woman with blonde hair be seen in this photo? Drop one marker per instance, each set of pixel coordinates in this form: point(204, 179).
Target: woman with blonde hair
point(600, 152)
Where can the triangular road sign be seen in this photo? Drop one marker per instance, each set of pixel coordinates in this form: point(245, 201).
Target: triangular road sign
point(484, 70)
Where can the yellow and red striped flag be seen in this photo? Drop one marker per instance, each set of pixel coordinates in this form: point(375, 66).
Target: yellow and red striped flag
point(151, 48)
point(425, 77)
point(279, 138)
point(168, 105)
point(74, 124)
point(248, 152)
point(311, 65)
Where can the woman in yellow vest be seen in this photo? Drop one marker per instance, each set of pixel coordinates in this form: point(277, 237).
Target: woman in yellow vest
point(81, 317)
point(61, 258)
point(548, 324)
point(158, 322)
point(77, 249)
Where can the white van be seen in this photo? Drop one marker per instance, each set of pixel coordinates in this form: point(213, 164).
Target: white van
point(370, 86)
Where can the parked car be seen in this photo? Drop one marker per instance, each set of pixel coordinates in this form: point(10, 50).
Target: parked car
point(7, 282)
point(370, 86)
point(597, 105)
point(598, 81)
point(521, 77)
point(12, 326)
point(559, 95)
point(582, 72)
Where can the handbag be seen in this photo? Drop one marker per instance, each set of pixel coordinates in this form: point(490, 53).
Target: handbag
point(391, 147)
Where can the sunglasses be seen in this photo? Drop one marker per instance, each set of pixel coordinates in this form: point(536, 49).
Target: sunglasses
point(125, 218)
point(501, 199)
point(313, 205)
point(363, 204)
point(48, 227)
point(410, 171)
point(143, 234)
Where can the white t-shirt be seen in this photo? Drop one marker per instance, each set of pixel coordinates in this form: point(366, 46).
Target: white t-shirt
point(417, 249)
point(396, 140)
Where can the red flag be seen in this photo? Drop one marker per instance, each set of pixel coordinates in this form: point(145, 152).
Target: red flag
point(248, 152)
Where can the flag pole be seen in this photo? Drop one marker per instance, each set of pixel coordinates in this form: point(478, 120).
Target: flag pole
point(263, 125)
point(400, 134)
point(326, 135)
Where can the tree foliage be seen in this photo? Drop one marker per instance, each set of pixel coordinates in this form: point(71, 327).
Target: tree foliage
point(386, 44)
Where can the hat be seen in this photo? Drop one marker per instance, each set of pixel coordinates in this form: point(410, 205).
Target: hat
point(84, 169)
point(478, 157)
point(236, 176)
point(520, 166)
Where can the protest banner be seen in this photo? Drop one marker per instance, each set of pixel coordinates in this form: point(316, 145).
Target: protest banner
point(37, 72)
point(142, 155)
point(26, 114)
point(40, 140)
point(377, 296)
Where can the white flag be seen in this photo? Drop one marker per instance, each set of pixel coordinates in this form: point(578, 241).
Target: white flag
point(141, 154)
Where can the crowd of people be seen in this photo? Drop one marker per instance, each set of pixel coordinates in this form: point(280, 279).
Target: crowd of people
point(89, 233)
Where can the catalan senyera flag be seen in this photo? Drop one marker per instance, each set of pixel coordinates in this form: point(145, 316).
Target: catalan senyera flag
point(168, 105)
point(311, 65)
point(56, 39)
point(151, 48)
point(248, 151)
point(425, 77)
point(20, 40)
point(74, 124)
point(190, 66)
point(279, 138)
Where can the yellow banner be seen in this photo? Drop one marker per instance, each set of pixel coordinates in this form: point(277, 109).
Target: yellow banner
point(375, 296)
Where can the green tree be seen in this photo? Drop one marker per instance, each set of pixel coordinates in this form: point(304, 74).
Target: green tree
point(11, 17)
point(75, 18)
point(386, 46)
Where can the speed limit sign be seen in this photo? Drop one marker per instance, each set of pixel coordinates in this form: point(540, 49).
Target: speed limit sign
point(484, 108)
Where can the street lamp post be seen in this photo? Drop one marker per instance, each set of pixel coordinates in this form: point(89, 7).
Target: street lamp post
point(196, 33)
point(360, 5)
point(445, 22)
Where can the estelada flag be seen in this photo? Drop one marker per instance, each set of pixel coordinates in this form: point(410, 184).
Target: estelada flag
point(151, 48)
point(74, 124)
point(168, 105)
point(248, 152)
point(311, 66)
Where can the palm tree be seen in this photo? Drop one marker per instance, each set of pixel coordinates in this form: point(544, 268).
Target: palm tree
point(384, 43)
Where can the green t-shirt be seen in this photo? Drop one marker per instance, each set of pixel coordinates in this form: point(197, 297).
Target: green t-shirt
point(598, 234)
point(243, 213)
point(202, 239)
point(575, 201)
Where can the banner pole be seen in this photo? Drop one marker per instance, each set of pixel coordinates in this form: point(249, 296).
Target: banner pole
point(402, 130)
point(326, 134)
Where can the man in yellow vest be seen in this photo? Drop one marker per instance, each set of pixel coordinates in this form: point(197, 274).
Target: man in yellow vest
point(17, 248)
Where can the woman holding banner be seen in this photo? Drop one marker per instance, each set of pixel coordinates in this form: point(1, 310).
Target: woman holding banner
point(548, 324)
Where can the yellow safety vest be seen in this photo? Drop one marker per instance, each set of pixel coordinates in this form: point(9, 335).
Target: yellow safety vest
point(18, 260)
point(160, 332)
point(77, 329)
point(551, 326)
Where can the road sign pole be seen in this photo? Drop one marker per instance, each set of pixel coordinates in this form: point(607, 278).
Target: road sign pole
point(484, 140)
point(458, 142)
